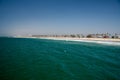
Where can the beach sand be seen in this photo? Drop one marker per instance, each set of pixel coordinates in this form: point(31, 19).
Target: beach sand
point(93, 40)
point(86, 39)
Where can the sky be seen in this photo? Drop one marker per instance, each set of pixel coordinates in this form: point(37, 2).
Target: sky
point(23, 17)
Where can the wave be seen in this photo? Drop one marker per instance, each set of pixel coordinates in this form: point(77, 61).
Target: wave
point(99, 42)
point(91, 41)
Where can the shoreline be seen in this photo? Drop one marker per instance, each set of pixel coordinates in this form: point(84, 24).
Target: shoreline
point(90, 40)
point(85, 39)
point(108, 41)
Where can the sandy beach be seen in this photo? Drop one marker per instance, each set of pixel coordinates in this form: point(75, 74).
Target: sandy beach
point(94, 40)
point(85, 39)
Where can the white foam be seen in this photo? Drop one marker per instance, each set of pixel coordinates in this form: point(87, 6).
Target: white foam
point(110, 43)
point(91, 41)
point(99, 42)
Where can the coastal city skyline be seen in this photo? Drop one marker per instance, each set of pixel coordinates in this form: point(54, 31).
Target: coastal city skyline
point(21, 17)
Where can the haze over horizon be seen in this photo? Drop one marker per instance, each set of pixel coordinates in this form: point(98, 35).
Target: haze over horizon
point(21, 17)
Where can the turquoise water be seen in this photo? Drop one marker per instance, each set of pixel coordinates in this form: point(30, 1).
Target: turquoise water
point(40, 59)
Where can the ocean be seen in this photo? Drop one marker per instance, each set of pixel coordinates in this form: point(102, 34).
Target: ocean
point(43, 59)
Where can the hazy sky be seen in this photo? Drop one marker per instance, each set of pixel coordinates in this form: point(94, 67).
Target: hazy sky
point(59, 16)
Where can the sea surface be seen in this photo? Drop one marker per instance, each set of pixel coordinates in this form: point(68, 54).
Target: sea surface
point(42, 59)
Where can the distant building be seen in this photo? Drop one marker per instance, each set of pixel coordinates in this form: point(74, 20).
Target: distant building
point(117, 36)
point(106, 36)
